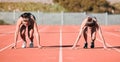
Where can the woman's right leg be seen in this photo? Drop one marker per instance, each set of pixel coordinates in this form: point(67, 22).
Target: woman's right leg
point(93, 37)
point(30, 35)
point(85, 37)
point(23, 37)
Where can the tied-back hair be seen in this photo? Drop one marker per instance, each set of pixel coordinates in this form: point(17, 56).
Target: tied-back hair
point(27, 15)
point(91, 18)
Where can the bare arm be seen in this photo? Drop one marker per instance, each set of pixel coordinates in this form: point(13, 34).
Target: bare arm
point(37, 35)
point(80, 32)
point(36, 32)
point(16, 33)
point(101, 36)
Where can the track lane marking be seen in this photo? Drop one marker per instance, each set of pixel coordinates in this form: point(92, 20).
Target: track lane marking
point(4, 48)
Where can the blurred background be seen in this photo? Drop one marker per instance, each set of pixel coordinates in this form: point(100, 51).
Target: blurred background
point(52, 12)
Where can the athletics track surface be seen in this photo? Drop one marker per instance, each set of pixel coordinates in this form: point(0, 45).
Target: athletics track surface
point(57, 42)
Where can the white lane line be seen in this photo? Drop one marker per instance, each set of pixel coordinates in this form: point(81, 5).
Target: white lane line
point(6, 30)
point(8, 46)
point(110, 33)
point(4, 34)
point(60, 51)
point(17, 42)
point(109, 45)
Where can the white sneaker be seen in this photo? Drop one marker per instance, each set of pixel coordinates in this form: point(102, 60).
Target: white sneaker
point(24, 45)
point(31, 45)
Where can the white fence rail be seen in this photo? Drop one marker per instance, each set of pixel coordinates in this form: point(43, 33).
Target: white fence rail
point(67, 18)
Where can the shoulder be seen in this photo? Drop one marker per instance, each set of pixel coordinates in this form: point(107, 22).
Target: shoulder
point(85, 20)
point(19, 21)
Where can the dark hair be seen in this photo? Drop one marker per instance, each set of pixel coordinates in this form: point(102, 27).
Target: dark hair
point(25, 15)
point(89, 18)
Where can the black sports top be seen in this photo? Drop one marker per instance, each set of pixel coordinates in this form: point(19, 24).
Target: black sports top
point(91, 23)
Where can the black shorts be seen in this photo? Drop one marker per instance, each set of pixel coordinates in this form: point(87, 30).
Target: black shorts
point(23, 27)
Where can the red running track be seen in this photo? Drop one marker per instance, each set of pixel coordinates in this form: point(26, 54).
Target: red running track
point(51, 39)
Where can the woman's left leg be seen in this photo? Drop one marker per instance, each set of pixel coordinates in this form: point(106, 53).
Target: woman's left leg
point(85, 31)
point(93, 36)
point(31, 37)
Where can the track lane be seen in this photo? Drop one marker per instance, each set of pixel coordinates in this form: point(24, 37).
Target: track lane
point(50, 51)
